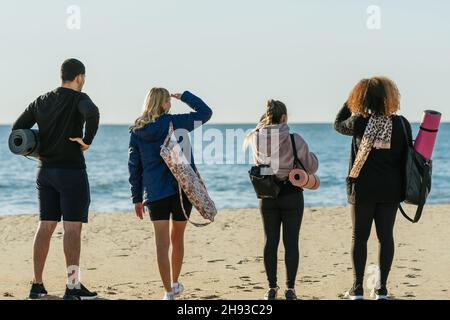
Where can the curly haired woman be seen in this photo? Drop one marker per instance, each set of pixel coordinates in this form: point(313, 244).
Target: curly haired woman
point(377, 164)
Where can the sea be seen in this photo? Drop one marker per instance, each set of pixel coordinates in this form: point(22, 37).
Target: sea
point(222, 162)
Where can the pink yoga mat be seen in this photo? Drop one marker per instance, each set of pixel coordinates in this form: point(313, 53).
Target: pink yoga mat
point(426, 139)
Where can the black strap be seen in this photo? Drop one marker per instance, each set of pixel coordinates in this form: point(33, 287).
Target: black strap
point(296, 159)
point(422, 196)
point(425, 178)
point(429, 130)
point(408, 142)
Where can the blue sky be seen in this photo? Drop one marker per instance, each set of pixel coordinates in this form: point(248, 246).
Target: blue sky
point(234, 54)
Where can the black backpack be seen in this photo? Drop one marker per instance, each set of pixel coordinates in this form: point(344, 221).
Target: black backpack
point(268, 186)
point(418, 174)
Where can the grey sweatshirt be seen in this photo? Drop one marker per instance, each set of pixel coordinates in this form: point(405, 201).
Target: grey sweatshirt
point(272, 146)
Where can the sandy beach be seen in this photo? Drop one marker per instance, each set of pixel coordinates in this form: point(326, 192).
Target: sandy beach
point(224, 260)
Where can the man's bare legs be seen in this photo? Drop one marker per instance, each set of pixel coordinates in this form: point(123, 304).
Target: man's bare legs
point(41, 247)
point(72, 250)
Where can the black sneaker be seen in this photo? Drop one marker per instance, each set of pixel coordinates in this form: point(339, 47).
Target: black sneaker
point(380, 294)
point(271, 294)
point(356, 293)
point(290, 294)
point(37, 291)
point(80, 294)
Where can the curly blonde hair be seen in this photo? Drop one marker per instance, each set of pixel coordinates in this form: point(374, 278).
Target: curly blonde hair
point(377, 95)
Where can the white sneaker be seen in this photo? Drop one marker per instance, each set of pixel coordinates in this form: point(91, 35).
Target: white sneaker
point(177, 288)
point(351, 296)
point(379, 294)
point(169, 296)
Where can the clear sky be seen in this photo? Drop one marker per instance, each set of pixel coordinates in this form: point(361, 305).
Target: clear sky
point(235, 54)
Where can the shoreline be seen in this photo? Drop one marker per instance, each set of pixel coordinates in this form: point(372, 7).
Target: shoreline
point(315, 208)
point(224, 261)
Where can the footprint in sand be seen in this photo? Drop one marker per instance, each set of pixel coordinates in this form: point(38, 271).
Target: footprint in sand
point(415, 269)
point(247, 279)
point(211, 297)
point(8, 295)
point(226, 226)
point(230, 267)
point(217, 260)
point(412, 276)
point(237, 287)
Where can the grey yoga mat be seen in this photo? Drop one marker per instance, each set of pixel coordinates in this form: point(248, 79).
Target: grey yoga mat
point(24, 142)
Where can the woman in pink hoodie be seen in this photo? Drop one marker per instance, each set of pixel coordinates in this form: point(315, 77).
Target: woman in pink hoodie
point(272, 145)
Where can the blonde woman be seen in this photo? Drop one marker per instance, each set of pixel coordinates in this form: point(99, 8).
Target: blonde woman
point(152, 183)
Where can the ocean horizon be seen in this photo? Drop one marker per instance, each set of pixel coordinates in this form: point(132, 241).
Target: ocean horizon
point(228, 183)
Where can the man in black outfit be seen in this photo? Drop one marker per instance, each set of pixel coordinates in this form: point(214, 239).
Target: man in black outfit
point(62, 181)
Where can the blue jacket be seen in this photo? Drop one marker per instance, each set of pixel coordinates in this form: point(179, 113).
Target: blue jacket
point(150, 178)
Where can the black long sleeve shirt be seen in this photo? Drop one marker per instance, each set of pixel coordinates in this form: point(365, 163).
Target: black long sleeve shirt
point(61, 114)
point(382, 177)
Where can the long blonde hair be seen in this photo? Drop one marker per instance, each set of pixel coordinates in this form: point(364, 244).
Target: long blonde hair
point(153, 107)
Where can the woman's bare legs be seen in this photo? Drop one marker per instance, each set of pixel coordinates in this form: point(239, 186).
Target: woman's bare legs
point(177, 236)
point(162, 238)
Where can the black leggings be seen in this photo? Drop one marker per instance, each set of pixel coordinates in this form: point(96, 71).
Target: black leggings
point(363, 214)
point(286, 211)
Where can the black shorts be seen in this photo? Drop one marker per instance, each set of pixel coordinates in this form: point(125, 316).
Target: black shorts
point(169, 207)
point(63, 193)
